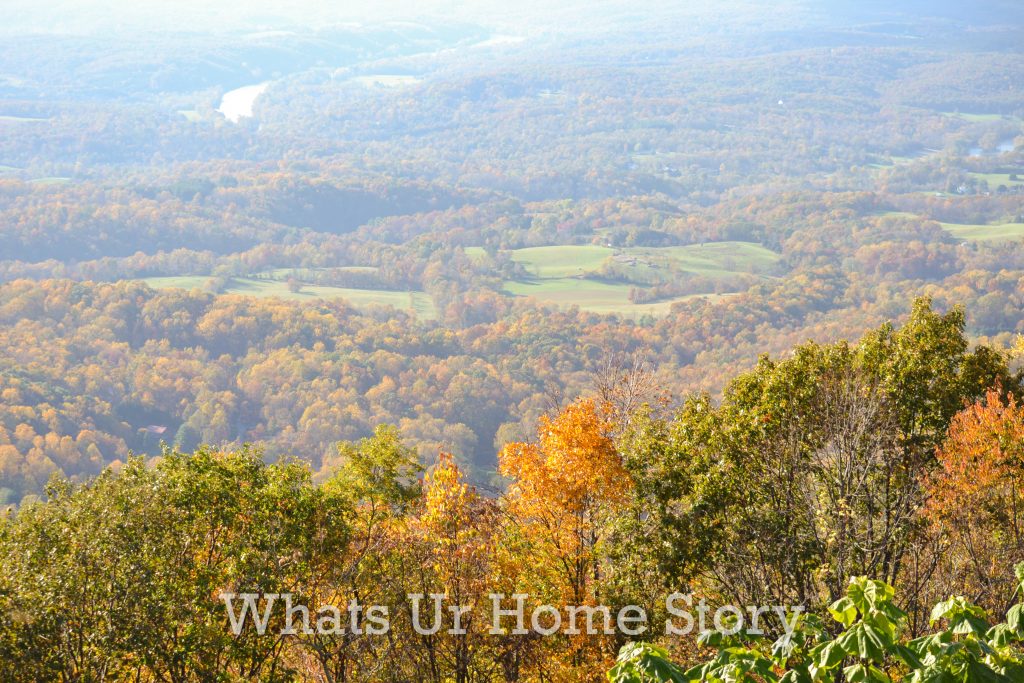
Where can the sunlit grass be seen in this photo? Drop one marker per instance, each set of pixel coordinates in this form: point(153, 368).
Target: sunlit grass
point(565, 275)
point(561, 261)
point(1006, 232)
point(994, 180)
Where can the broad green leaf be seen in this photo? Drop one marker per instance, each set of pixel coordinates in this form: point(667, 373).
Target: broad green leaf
point(831, 655)
point(844, 611)
point(1015, 618)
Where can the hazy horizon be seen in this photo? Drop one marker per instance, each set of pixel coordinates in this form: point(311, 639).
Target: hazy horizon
point(93, 16)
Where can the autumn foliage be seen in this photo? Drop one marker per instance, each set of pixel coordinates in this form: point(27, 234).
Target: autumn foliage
point(838, 461)
point(977, 496)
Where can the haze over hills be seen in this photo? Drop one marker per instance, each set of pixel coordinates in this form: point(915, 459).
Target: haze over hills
point(92, 16)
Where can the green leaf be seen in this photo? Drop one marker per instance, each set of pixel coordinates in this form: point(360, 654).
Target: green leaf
point(934, 674)
point(857, 673)
point(1000, 635)
point(844, 611)
point(969, 623)
point(831, 654)
point(646, 663)
point(711, 638)
point(1015, 617)
point(908, 656)
point(795, 676)
point(940, 610)
point(980, 673)
point(870, 645)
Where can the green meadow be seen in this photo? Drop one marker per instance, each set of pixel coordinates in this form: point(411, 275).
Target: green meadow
point(594, 296)
point(1006, 232)
point(711, 258)
point(561, 274)
point(896, 214)
point(994, 180)
point(561, 261)
point(475, 253)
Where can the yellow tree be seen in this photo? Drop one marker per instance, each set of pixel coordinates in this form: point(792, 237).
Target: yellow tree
point(566, 490)
point(452, 542)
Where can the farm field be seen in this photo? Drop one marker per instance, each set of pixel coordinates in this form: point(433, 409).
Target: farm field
point(561, 261)
point(1006, 232)
point(994, 180)
point(418, 302)
point(897, 214)
point(711, 258)
point(897, 159)
point(560, 272)
point(595, 296)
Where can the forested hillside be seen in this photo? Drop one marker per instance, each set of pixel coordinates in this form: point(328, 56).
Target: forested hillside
point(897, 457)
point(450, 230)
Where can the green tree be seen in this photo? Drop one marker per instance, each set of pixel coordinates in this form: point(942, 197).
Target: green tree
point(122, 577)
point(809, 471)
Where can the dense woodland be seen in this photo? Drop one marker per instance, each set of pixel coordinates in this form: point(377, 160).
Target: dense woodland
point(896, 457)
point(716, 298)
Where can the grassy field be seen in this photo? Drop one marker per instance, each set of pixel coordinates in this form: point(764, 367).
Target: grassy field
point(1007, 232)
point(417, 302)
point(559, 272)
point(996, 179)
point(557, 275)
point(596, 297)
point(563, 261)
point(712, 258)
point(895, 214)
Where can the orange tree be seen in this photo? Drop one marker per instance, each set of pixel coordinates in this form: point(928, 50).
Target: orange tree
point(976, 498)
point(565, 491)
